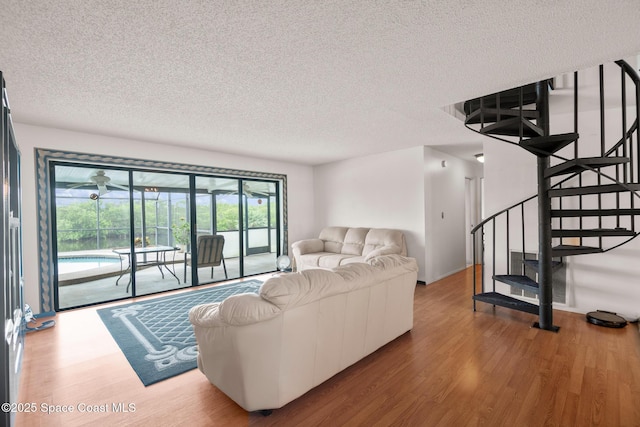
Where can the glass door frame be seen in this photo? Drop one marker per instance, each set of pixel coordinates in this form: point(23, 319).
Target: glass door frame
point(45, 158)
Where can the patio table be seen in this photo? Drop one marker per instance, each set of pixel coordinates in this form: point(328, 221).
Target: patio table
point(159, 261)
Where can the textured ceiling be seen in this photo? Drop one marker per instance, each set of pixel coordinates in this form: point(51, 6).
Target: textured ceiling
point(304, 81)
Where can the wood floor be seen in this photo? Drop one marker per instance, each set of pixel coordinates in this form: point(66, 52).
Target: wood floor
point(455, 368)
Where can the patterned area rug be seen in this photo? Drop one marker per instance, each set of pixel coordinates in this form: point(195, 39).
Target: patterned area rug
point(156, 336)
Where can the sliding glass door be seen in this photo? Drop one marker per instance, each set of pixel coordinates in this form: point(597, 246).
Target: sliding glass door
point(260, 225)
point(122, 232)
point(91, 208)
point(216, 207)
point(244, 214)
point(161, 206)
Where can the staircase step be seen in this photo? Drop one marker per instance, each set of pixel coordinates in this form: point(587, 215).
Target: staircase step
point(545, 145)
point(580, 165)
point(568, 250)
point(495, 298)
point(511, 127)
point(520, 282)
point(535, 264)
point(595, 232)
point(491, 115)
point(508, 99)
point(592, 189)
point(570, 213)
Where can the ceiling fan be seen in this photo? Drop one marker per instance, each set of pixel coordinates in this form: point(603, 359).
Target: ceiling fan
point(251, 191)
point(101, 180)
point(246, 190)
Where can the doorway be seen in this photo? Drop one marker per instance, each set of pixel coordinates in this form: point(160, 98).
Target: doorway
point(472, 213)
point(468, 221)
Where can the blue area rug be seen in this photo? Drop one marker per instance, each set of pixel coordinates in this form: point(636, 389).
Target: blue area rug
point(156, 336)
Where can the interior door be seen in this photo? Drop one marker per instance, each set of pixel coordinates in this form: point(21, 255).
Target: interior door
point(11, 303)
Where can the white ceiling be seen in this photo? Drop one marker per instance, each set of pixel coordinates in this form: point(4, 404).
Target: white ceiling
point(302, 81)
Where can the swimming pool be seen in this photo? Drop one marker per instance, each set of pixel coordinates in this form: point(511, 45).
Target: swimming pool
point(69, 264)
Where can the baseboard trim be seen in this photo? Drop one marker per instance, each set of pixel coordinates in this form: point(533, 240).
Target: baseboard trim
point(448, 274)
point(45, 314)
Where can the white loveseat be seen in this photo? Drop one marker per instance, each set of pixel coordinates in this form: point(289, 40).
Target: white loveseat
point(265, 350)
point(338, 246)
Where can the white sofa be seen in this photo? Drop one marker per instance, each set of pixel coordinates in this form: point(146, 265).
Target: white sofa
point(338, 246)
point(265, 350)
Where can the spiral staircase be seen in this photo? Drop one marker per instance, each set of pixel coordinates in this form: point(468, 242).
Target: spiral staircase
point(588, 189)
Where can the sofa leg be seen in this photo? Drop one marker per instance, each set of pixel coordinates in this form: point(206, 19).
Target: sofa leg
point(266, 412)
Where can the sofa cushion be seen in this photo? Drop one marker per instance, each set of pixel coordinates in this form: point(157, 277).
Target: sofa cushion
point(313, 259)
point(333, 238)
point(351, 260)
point(356, 274)
point(354, 241)
point(333, 260)
point(296, 289)
point(384, 250)
point(392, 261)
point(381, 237)
point(245, 309)
point(389, 266)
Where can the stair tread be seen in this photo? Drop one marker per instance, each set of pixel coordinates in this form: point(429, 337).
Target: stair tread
point(581, 164)
point(592, 189)
point(567, 250)
point(490, 115)
point(559, 213)
point(508, 98)
point(519, 281)
point(506, 301)
point(592, 232)
point(534, 263)
point(511, 127)
point(549, 144)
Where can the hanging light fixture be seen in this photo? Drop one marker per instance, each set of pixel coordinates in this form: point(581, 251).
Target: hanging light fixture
point(480, 157)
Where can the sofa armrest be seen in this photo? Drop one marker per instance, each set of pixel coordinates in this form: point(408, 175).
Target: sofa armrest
point(307, 246)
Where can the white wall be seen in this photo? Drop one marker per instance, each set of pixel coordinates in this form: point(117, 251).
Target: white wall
point(406, 190)
point(508, 162)
point(299, 180)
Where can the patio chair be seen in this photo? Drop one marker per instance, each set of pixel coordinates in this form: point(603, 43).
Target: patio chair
point(209, 254)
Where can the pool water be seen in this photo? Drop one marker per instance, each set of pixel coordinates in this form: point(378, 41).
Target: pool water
point(80, 263)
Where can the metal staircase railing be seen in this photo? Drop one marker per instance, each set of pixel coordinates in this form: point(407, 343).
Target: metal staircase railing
point(589, 201)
